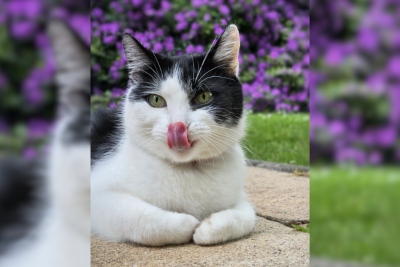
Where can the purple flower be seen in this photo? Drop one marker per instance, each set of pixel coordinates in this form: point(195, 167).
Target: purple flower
point(207, 17)
point(113, 105)
point(29, 153)
point(258, 24)
point(181, 25)
point(336, 128)
point(23, 29)
point(192, 14)
point(165, 5)
point(375, 157)
point(274, 54)
point(190, 49)
point(261, 52)
point(223, 22)
point(137, 2)
point(97, 12)
point(393, 66)
point(185, 36)
point(292, 45)
point(252, 58)
point(109, 39)
point(195, 26)
point(275, 92)
point(117, 7)
point(180, 17)
point(96, 67)
point(218, 29)
point(159, 32)
point(368, 40)
point(38, 128)
point(224, 10)
point(158, 47)
point(117, 92)
point(199, 49)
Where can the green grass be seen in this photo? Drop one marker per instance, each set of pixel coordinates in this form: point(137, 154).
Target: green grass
point(282, 138)
point(355, 214)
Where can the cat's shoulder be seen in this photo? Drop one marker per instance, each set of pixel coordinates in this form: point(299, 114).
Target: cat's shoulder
point(22, 199)
point(105, 131)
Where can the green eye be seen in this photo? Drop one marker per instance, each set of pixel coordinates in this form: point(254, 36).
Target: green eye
point(157, 101)
point(203, 98)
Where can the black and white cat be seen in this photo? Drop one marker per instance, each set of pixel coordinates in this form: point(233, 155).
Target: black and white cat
point(167, 166)
point(44, 203)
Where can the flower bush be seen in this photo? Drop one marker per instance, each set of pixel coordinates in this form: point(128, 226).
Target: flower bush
point(274, 54)
point(355, 85)
point(27, 68)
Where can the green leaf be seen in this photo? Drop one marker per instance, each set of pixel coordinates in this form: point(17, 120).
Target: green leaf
point(299, 228)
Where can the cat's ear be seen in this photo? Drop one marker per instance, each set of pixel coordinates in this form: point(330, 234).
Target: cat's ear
point(226, 50)
point(136, 55)
point(72, 57)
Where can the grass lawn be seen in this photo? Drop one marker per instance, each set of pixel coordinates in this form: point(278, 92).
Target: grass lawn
point(355, 214)
point(282, 138)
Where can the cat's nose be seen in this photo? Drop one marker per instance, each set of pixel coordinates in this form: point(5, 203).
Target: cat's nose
point(177, 136)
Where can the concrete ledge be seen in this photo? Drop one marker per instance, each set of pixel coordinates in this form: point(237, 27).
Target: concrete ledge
point(280, 167)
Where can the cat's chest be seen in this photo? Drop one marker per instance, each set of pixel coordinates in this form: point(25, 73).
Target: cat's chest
point(189, 190)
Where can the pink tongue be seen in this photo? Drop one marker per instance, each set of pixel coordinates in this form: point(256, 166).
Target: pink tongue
point(177, 136)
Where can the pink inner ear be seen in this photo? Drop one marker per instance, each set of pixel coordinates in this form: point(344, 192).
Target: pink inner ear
point(177, 136)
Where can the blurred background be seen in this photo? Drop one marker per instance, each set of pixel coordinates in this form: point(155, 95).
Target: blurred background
point(33, 229)
point(354, 131)
point(27, 68)
point(274, 59)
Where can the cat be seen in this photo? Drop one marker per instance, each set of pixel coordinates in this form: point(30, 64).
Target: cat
point(44, 203)
point(167, 166)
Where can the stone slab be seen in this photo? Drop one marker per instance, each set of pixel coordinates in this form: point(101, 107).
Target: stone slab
point(279, 196)
point(270, 244)
point(280, 167)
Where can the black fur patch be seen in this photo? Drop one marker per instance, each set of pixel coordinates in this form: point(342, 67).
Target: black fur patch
point(105, 132)
point(227, 104)
point(23, 200)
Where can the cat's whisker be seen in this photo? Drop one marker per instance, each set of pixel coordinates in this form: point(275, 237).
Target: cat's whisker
point(207, 87)
point(158, 63)
point(153, 70)
point(211, 70)
point(192, 71)
point(208, 150)
point(233, 139)
point(218, 152)
point(217, 77)
point(225, 128)
point(150, 75)
point(204, 61)
point(219, 140)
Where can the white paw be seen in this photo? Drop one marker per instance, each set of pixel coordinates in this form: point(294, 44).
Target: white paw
point(213, 230)
point(182, 231)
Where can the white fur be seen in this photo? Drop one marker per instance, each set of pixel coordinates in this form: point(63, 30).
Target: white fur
point(63, 237)
point(145, 192)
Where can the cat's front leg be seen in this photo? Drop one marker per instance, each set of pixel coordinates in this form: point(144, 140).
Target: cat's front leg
point(123, 217)
point(226, 225)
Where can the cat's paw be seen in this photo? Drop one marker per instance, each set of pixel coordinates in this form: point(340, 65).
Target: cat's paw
point(213, 230)
point(183, 229)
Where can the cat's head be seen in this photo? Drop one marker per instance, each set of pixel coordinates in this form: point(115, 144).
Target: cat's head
point(185, 108)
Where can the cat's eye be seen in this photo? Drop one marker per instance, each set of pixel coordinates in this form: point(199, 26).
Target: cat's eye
point(157, 101)
point(203, 98)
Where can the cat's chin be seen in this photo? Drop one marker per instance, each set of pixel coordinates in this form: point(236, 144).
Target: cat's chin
point(183, 155)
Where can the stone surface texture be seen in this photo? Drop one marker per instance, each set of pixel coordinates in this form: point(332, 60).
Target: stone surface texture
point(273, 194)
point(280, 195)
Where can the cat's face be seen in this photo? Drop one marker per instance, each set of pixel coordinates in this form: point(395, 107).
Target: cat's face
point(185, 108)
